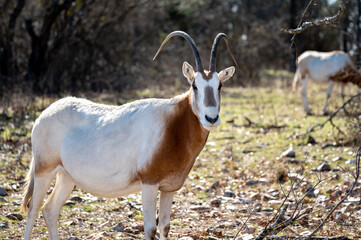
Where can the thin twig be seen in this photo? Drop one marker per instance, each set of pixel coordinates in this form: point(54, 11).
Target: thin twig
point(300, 22)
point(323, 22)
point(297, 213)
point(280, 207)
point(282, 214)
point(346, 170)
point(319, 22)
point(244, 224)
point(301, 201)
point(329, 119)
point(356, 177)
point(304, 238)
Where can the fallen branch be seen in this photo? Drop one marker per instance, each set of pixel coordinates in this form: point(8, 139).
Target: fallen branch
point(304, 238)
point(329, 119)
point(252, 124)
point(356, 177)
point(244, 224)
point(281, 223)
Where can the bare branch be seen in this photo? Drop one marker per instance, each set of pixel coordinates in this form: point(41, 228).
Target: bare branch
point(304, 238)
point(356, 177)
point(244, 224)
point(319, 22)
point(329, 119)
point(275, 216)
point(346, 170)
point(280, 223)
point(281, 216)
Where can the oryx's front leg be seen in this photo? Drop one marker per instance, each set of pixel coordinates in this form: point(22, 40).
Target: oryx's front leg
point(329, 90)
point(149, 201)
point(165, 205)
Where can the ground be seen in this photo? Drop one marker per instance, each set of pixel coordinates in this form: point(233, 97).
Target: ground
point(240, 173)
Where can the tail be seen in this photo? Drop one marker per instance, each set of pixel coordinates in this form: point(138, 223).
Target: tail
point(29, 188)
point(295, 80)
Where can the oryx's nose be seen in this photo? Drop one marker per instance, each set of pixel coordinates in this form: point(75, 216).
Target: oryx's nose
point(211, 120)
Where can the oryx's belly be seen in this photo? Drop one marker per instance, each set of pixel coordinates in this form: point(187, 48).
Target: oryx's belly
point(101, 168)
point(101, 181)
point(111, 191)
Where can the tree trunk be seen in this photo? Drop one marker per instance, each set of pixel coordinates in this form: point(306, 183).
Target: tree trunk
point(358, 38)
point(344, 28)
point(38, 64)
point(293, 24)
point(7, 61)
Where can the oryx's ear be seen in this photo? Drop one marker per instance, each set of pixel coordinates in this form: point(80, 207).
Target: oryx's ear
point(188, 72)
point(226, 74)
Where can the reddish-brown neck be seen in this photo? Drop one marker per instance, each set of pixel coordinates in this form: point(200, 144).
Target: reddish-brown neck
point(182, 140)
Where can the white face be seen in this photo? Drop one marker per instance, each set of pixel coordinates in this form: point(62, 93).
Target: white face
point(206, 99)
point(206, 94)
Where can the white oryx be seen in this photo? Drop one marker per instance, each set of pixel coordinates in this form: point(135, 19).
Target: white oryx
point(323, 67)
point(110, 151)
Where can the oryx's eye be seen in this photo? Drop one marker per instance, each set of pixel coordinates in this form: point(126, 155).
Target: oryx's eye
point(220, 86)
point(194, 86)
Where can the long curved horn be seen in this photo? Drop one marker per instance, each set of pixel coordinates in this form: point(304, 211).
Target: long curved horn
point(190, 41)
point(212, 64)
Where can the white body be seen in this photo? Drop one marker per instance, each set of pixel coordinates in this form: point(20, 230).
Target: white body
point(110, 151)
point(108, 143)
point(101, 148)
point(321, 67)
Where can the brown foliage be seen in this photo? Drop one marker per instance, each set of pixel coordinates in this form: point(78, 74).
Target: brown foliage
point(70, 46)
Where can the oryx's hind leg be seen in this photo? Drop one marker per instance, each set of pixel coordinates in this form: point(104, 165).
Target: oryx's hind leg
point(41, 184)
point(343, 93)
point(63, 187)
point(343, 98)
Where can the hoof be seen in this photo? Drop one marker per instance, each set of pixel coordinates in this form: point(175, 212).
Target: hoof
point(309, 114)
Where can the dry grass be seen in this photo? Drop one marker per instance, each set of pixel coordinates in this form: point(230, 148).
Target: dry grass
point(237, 173)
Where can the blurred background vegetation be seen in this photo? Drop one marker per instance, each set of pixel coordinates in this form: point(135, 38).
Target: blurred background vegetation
point(66, 47)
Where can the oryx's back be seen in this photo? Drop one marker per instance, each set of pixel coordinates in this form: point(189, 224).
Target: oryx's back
point(321, 65)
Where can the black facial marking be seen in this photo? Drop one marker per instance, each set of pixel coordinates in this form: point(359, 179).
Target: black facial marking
point(209, 100)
